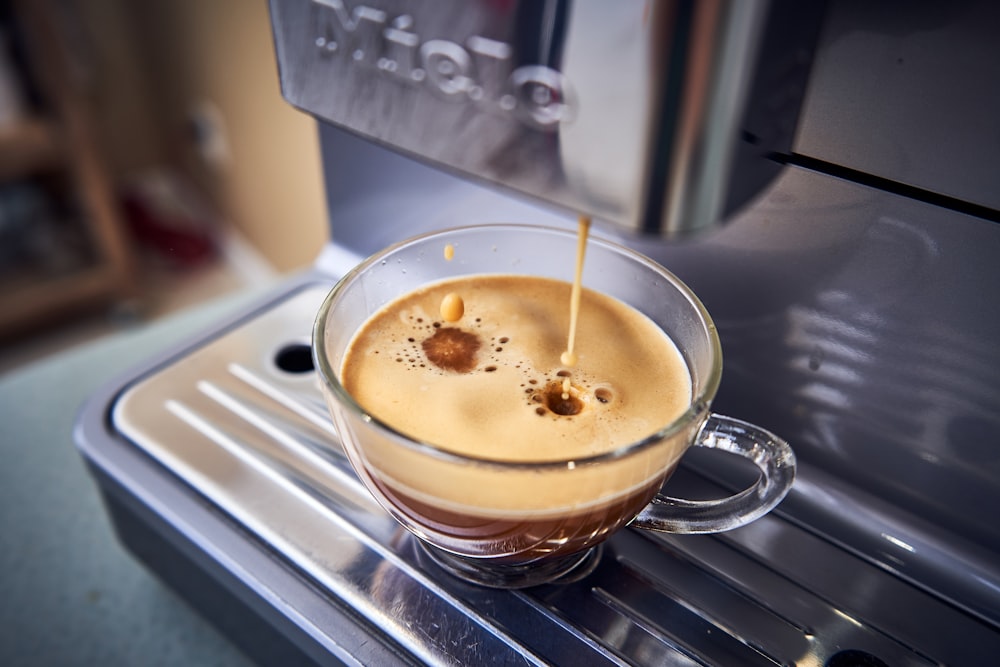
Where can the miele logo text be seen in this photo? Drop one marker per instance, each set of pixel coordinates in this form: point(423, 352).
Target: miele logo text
point(479, 71)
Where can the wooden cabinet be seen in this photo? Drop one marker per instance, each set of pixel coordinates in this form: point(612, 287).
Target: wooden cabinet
point(55, 151)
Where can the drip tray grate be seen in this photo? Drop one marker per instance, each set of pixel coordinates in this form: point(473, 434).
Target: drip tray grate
point(241, 422)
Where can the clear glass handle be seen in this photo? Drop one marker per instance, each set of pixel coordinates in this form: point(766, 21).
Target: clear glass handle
point(772, 456)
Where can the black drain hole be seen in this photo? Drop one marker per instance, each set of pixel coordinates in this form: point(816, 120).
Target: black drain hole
point(855, 658)
point(295, 358)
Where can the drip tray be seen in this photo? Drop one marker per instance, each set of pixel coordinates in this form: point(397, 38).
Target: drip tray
point(232, 433)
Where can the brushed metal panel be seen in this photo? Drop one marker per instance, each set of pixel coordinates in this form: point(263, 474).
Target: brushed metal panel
point(907, 91)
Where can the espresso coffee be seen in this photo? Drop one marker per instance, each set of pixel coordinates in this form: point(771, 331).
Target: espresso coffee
point(491, 386)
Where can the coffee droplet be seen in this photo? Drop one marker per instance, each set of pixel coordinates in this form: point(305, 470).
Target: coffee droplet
point(568, 358)
point(449, 252)
point(452, 349)
point(452, 307)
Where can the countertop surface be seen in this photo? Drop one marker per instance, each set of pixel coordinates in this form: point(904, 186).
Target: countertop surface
point(71, 595)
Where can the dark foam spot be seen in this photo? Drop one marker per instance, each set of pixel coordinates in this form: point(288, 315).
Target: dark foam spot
point(452, 349)
point(564, 404)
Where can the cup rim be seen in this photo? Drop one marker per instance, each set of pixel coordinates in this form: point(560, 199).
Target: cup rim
point(698, 407)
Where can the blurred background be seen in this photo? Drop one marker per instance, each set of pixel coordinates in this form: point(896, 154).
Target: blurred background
point(147, 163)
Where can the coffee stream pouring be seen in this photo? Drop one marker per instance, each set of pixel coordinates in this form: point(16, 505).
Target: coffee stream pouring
point(656, 116)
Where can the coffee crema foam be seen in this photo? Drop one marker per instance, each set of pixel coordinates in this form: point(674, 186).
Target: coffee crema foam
point(490, 385)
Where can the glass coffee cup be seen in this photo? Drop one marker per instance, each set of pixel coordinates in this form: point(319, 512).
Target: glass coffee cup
point(518, 523)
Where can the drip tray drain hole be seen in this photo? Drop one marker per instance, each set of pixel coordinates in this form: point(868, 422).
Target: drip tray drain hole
point(295, 358)
point(855, 658)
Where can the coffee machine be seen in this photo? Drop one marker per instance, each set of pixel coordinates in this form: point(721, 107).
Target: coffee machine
point(823, 177)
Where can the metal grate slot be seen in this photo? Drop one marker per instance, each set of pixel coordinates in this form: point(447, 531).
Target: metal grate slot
point(617, 595)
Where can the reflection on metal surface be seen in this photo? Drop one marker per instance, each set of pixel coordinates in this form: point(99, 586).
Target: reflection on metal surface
point(255, 442)
point(528, 95)
point(898, 542)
